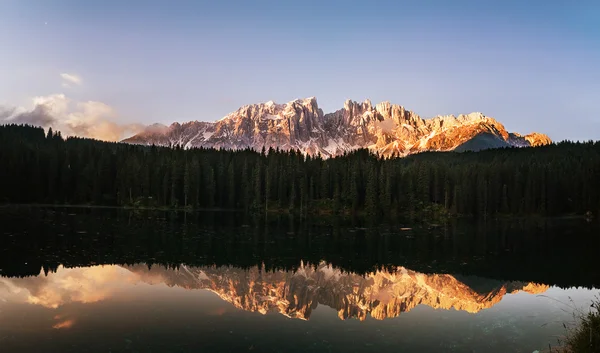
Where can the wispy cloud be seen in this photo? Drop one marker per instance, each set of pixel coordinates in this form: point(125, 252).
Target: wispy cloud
point(64, 324)
point(70, 79)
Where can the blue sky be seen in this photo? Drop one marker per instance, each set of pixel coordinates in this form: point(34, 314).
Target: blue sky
point(533, 65)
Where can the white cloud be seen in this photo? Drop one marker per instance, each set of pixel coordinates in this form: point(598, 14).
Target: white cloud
point(55, 104)
point(72, 118)
point(71, 78)
point(69, 285)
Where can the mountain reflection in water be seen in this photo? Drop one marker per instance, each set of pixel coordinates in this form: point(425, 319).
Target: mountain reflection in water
point(104, 280)
point(295, 294)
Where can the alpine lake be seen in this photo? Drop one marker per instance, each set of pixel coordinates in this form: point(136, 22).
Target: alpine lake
point(116, 280)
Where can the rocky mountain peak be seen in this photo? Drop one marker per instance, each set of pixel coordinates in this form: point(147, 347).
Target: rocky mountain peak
point(386, 128)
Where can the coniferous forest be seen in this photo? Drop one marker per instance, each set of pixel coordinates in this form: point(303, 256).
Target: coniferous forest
point(44, 168)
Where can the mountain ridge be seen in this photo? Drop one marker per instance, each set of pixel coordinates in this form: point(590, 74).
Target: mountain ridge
point(385, 128)
point(380, 294)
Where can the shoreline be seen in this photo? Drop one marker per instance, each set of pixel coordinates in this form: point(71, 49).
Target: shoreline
point(315, 213)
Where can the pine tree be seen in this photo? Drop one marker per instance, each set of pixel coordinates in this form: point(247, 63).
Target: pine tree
point(371, 192)
point(231, 189)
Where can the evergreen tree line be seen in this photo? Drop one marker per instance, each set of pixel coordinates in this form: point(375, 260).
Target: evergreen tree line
point(39, 167)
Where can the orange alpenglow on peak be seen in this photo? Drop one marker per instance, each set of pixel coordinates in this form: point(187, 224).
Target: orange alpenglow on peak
point(386, 129)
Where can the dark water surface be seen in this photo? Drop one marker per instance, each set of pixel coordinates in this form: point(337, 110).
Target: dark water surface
point(105, 280)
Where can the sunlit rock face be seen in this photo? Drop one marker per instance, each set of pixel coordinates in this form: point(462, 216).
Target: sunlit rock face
point(386, 129)
point(381, 294)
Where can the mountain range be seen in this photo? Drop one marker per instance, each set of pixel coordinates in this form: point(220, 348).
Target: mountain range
point(295, 294)
point(386, 129)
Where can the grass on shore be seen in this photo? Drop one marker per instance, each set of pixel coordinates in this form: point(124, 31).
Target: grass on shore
point(583, 334)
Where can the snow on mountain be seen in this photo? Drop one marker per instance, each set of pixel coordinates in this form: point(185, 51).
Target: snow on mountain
point(387, 129)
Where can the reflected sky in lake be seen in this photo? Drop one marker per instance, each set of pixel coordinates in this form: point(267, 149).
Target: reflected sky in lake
point(316, 307)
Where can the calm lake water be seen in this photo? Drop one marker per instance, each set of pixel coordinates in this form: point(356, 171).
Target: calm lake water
point(105, 280)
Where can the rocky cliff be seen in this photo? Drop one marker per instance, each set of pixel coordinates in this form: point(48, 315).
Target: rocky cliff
point(387, 129)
